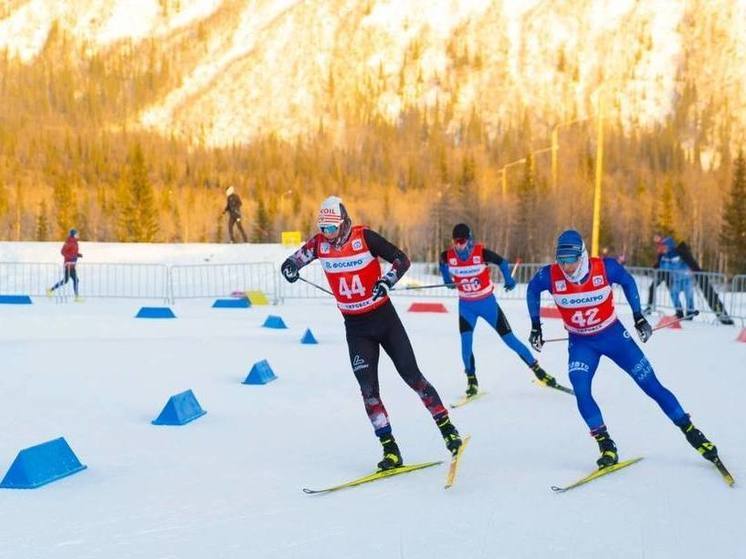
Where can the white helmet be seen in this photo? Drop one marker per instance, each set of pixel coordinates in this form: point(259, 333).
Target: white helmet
point(332, 212)
point(230, 190)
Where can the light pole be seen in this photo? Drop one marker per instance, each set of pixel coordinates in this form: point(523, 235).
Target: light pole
point(599, 172)
point(555, 147)
point(505, 167)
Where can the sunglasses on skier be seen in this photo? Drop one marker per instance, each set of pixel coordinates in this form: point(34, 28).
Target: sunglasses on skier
point(329, 229)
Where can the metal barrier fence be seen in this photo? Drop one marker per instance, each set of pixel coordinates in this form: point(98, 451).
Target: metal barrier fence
point(712, 293)
point(28, 278)
point(737, 298)
point(222, 280)
point(123, 281)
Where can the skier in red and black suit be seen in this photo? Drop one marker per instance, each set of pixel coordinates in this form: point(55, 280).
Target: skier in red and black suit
point(70, 254)
point(349, 257)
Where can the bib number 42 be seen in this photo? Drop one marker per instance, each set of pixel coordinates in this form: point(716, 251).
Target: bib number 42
point(585, 318)
point(354, 287)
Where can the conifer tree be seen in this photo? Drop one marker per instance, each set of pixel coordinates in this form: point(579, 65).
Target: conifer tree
point(64, 206)
point(261, 223)
point(42, 223)
point(138, 215)
point(524, 237)
point(733, 235)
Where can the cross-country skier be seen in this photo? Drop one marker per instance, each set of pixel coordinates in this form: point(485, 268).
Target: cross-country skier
point(681, 278)
point(349, 256)
point(70, 255)
point(581, 288)
point(465, 267)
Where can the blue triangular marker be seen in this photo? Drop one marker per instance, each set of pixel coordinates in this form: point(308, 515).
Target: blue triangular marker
point(308, 337)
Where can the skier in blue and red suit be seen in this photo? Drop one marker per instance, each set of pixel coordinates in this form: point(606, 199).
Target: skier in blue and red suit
point(581, 288)
point(465, 266)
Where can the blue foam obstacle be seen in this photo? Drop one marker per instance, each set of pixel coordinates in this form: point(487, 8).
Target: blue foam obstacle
point(15, 300)
point(274, 321)
point(239, 303)
point(308, 337)
point(41, 464)
point(180, 409)
point(155, 312)
point(261, 373)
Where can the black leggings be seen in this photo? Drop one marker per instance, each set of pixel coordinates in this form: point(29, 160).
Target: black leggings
point(366, 334)
point(236, 221)
point(70, 273)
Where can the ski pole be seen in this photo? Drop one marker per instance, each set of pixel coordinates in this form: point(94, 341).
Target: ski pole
point(422, 286)
point(317, 286)
point(659, 327)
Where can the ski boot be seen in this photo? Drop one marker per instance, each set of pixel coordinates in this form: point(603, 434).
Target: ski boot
point(725, 319)
point(450, 434)
point(696, 438)
point(391, 455)
point(472, 386)
point(542, 376)
point(679, 313)
point(606, 446)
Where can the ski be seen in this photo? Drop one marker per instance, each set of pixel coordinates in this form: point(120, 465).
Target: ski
point(557, 386)
point(597, 474)
point(466, 399)
point(373, 477)
point(727, 477)
point(455, 460)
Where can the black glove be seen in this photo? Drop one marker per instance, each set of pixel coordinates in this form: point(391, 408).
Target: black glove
point(381, 288)
point(451, 285)
point(536, 338)
point(289, 269)
point(644, 330)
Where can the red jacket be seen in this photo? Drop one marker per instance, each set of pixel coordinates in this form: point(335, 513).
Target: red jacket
point(70, 250)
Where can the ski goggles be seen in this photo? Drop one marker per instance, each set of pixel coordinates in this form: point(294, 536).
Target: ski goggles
point(569, 253)
point(460, 241)
point(329, 229)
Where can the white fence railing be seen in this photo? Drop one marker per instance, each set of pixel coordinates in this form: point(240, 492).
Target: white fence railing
point(713, 294)
point(222, 280)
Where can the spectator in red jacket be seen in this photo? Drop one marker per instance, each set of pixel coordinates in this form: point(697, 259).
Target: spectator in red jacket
point(70, 254)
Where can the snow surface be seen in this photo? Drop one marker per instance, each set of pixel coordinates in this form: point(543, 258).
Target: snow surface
point(229, 484)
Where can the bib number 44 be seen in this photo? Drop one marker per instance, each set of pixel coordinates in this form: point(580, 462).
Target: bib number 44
point(355, 287)
point(585, 318)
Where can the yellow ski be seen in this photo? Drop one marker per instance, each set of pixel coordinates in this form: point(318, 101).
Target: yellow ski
point(466, 399)
point(373, 477)
point(597, 474)
point(453, 468)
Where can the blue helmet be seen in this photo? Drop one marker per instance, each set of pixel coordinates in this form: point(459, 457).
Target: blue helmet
point(73, 232)
point(570, 246)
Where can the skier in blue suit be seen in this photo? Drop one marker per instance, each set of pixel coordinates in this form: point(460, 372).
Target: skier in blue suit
point(465, 266)
point(581, 288)
point(681, 278)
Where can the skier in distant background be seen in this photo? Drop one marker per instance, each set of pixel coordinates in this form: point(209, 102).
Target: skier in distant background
point(349, 258)
point(680, 278)
point(70, 255)
point(581, 288)
point(673, 257)
point(233, 208)
point(465, 267)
